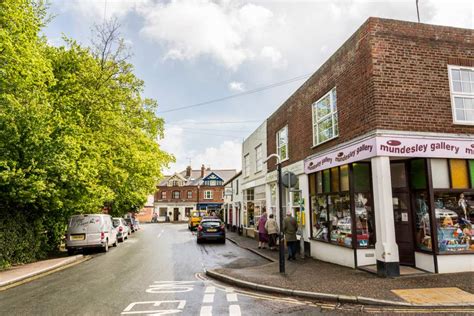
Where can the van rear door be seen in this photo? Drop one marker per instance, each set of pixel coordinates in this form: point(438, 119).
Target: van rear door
point(94, 228)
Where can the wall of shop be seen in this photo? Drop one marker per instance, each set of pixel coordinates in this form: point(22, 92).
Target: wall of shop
point(332, 253)
point(451, 264)
point(365, 257)
point(424, 261)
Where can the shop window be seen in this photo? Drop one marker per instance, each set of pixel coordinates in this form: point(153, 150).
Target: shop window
point(326, 181)
point(340, 219)
point(325, 124)
point(362, 177)
point(187, 211)
point(365, 219)
point(335, 179)
point(418, 173)
point(422, 221)
point(440, 173)
point(312, 184)
point(471, 172)
point(344, 178)
point(320, 218)
point(462, 94)
point(459, 175)
point(398, 175)
point(454, 216)
point(319, 182)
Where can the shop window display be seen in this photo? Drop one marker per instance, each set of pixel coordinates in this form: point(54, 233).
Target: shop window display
point(459, 174)
point(422, 221)
point(365, 220)
point(454, 217)
point(320, 218)
point(340, 219)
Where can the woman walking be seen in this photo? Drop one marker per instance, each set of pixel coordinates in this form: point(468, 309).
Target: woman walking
point(262, 232)
point(272, 229)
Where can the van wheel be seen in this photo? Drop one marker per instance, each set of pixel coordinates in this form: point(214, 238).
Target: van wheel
point(70, 251)
point(106, 247)
point(115, 243)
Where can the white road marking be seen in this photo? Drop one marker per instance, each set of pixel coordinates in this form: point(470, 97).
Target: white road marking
point(234, 310)
point(180, 307)
point(232, 297)
point(206, 311)
point(208, 298)
point(210, 289)
point(171, 287)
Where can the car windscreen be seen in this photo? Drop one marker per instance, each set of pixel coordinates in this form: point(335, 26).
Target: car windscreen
point(116, 222)
point(91, 222)
point(209, 224)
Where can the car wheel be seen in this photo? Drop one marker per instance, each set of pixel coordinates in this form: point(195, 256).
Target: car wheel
point(70, 251)
point(115, 243)
point(120, 239)
point(106, 247)
point(223, 241)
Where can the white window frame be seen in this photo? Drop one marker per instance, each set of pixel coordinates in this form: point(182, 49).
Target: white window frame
point(179, 195)
point(258, 158)
point(332, 114)
point(279, 146)
point(189, 191)
point(246, 165)
point(468, 95)
point(163, 195)
point(208, 195)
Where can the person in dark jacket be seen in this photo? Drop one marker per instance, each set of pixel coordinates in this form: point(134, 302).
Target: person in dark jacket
point(290, 226)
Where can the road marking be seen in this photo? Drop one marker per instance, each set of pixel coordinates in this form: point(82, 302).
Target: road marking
point(180, 307)
point(234, 310)
point(232, 297)
point(208, 298)
point(210, 289)
point(206, 311)
point(171, 287)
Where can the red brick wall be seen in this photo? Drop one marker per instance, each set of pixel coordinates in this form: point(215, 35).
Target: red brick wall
point(217, 194)
point(388, 75)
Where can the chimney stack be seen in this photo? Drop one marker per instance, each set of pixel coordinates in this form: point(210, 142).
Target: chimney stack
point(202, 170)
point(188, 171)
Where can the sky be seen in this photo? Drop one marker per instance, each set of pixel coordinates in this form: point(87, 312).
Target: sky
point(190, 52)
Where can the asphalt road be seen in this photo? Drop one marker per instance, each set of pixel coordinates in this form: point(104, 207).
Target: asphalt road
point(158, 270)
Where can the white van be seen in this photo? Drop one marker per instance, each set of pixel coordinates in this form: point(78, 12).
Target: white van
point(90, 231)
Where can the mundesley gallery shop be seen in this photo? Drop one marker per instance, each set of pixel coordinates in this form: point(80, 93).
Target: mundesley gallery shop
point(419, 191)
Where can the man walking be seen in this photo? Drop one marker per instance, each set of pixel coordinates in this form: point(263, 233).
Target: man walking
point(289, 229)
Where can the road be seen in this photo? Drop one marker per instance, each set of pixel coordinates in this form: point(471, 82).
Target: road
point(159, 270)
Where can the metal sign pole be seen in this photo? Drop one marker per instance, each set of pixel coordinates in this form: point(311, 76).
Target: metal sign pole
point(280, 203)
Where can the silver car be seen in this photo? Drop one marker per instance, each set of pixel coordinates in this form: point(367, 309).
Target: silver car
point(122, 228)
point(90, 231)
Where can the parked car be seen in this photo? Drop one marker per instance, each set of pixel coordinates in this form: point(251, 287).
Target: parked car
point(90, 231)
point(195, 219)
point(130, 223)
point(122, 228)
point(136, 224)
point(211, 229)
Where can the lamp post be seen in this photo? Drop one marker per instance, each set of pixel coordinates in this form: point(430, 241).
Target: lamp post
point(197, 205)
point(280, 207)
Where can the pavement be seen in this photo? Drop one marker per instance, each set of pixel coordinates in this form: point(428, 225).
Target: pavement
point(316, 279)
point(158, 270)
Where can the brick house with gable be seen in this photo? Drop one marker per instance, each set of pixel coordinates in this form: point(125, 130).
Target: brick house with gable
point(382, 139)
point(179, 194)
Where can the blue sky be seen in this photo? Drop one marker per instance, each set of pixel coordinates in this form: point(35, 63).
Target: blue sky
point(193, 51)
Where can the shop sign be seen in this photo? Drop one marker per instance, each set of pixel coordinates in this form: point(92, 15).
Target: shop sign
point(393, 146)
point(358, 151)
point(228, 191)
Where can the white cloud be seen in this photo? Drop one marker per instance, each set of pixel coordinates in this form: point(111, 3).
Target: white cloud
point(193, 28)
point(236, 86)
point(98, 8)
point(274, 56)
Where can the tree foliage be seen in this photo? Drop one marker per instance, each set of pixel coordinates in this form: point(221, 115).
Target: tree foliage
point(76, 135)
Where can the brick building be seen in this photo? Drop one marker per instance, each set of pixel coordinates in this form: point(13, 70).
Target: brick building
point(179, 194)
point(381, 138)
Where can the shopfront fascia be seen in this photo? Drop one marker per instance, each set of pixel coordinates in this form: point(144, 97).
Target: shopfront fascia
point(394, 199)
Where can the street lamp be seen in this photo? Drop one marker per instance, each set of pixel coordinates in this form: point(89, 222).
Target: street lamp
point(280, 196)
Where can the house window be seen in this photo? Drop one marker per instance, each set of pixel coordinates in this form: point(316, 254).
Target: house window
point(325, 126)
point(258, 158)
point(176, 194)
point(163, 194)
point(187, 211)
point(462, 93)
point(208, 195)
point(246, 165)
point(282, 143)
point(190, 194)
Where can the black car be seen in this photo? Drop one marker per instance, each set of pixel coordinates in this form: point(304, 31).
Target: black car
point(211, 229)
point(131, 224)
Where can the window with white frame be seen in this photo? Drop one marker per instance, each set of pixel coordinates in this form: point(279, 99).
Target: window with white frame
point(176, 194)
point(282, 143)
point(325, 126)
point(258, 158)
point(208, 195)
point(190, 194)
point(246, 165)
point(462, 93)
point(163, 194)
